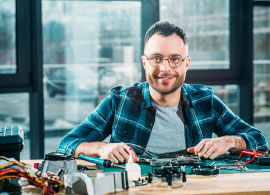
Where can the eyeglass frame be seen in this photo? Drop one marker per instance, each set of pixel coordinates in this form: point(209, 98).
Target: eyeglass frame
point(180, 63)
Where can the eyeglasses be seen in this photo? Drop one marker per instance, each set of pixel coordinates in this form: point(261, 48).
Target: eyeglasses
point(174, 60)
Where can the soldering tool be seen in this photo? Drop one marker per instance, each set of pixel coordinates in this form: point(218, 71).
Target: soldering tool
point(99, 161)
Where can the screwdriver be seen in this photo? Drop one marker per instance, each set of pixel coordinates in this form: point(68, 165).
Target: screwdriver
point(99, 161)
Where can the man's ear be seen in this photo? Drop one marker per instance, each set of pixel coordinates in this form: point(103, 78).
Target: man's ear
point(188, 62)
point(143, 61)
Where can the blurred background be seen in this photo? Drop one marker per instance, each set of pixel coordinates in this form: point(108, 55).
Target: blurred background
point(59, 58)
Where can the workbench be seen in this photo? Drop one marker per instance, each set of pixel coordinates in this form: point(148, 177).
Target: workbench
point(255, 181)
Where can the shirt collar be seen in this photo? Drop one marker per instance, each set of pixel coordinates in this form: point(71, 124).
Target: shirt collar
point(184, 96)
point(147, 103)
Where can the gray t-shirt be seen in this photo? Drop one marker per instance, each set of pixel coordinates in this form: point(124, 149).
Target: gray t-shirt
point(168, 131)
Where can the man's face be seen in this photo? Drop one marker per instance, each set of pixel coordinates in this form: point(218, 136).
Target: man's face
point(164, 79)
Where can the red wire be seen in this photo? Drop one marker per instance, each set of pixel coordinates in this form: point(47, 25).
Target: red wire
point(31, 180)
point(250, 152)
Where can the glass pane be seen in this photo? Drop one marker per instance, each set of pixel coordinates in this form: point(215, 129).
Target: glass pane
point(14, 110)
point(229, 94)
point(261, 33)
point(206, 23)
point(89, 47)
point(7, 37)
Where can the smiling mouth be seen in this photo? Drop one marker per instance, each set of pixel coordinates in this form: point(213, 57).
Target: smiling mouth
point(165, 79)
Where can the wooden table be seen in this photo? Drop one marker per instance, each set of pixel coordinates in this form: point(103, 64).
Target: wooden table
point(236, 184)
point(233, 184)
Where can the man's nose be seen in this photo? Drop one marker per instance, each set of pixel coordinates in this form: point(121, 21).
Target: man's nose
point(165, 65)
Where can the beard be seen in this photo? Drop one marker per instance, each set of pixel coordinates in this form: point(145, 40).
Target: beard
point(164, 88)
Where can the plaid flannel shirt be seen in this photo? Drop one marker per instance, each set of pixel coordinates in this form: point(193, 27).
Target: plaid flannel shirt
point(128, 116)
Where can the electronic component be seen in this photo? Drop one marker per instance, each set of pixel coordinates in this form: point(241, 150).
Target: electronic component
point(120, 179)
point(168, 171)
point(178, 161)
point(175, 154)
point(11, 141)
point(58, 156)
point(262, 160)
point(171, 168)
point(205, 170)
point(10, 186)
point(144, 180)
point(57, 163)
point(145, 160)
point(166, 174)
point(233, 167)
point(13, 169)
point(80, 183)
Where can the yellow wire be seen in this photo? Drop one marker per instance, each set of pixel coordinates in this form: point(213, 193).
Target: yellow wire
point(10, 162)
point(7, 176)
point(42, 183)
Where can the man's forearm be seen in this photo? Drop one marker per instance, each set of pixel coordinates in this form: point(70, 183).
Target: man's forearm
point(89, 148)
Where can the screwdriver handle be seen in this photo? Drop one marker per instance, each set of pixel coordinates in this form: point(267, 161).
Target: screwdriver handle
point(99, 161)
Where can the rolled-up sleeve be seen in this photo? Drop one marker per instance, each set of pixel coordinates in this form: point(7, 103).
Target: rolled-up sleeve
point(96, 127)
point(227, 123)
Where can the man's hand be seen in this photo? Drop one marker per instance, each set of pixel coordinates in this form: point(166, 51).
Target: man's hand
point(116, 152)
point(211, 148)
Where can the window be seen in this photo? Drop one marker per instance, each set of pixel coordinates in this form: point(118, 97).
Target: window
point(85, 54)
point(7, 37)
point(261, 33)
point(229, 94)
point(206, 23)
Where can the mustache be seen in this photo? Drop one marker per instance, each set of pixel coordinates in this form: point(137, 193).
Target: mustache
point(166, 75)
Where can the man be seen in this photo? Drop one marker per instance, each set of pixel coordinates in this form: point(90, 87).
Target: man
point(163, 114)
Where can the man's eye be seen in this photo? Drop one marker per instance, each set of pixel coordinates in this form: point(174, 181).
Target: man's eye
point(157, 58)
point(176, 59)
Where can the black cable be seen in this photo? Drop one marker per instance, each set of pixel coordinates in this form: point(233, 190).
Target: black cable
point(149, 153)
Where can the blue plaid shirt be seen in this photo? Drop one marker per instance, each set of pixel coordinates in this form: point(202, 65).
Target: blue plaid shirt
point(128, 115)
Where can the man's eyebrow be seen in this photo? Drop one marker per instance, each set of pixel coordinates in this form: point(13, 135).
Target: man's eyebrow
point(176, 54)
point(159, 54)
point(156, 54)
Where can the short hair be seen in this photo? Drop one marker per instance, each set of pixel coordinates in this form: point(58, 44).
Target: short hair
point(165, 28)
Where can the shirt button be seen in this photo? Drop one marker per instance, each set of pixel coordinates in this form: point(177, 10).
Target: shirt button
point(124, 132)
point(204, 133)
point(150, 124)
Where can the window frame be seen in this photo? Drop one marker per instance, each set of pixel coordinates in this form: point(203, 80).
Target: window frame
point(19, 81)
